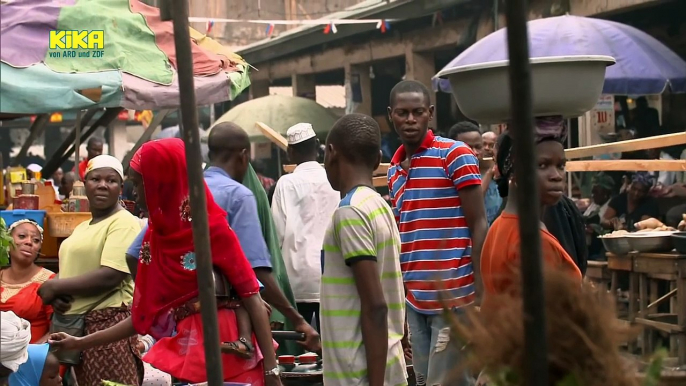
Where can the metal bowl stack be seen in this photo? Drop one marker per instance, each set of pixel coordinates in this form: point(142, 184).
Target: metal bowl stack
point(617, 245)
point(651, 241)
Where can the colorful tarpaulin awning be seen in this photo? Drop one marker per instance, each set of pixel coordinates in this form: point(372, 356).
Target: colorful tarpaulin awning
point(75, 54)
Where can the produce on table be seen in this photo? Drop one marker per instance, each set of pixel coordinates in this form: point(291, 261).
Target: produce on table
point(652, 225)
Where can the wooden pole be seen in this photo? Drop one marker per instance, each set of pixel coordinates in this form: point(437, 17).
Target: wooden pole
point(37, 128)
point(105, 119)
point(145, 137)
point(196, 184)
point(56, 160)
point(528, 201)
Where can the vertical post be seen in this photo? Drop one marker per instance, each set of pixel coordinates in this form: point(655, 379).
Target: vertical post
point(77, 145)
point(196, 184)
point(535, 346)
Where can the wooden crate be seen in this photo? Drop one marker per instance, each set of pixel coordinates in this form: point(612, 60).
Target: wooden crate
point(63, 224)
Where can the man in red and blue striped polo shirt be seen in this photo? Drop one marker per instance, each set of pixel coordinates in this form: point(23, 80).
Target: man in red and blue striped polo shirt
point(435, 190)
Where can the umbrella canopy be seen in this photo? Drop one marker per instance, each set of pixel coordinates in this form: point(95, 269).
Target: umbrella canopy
point(644, 65)
point(124, 56)
point(279, 112)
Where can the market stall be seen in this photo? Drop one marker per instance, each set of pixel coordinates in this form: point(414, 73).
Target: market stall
point(98, 78)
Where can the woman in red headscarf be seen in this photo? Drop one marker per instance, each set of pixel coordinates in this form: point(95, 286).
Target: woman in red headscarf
point(165, 298)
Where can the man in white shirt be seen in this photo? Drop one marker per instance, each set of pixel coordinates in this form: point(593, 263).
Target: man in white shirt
point(302, 207)
point(664, 178)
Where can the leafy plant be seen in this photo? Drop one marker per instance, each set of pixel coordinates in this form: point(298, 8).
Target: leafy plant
point(6, 242)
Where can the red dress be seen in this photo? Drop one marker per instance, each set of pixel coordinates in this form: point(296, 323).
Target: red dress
point(23, 300)
point(167, 280)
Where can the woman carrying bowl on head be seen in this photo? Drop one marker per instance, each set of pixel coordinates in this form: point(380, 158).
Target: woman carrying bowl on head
point(501, 251)
point(20, 281)
point(94, 272)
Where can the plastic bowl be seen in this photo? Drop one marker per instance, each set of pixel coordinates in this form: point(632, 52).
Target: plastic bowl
point(561, 85)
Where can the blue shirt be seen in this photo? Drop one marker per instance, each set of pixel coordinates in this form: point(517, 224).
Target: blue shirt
point(492, 202)
point(135, 248)
point(241, 207)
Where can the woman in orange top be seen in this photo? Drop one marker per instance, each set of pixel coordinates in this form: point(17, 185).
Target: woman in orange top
point(500, 254)
point(20, 281)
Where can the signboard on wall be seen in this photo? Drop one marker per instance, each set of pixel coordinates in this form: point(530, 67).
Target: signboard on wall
point(603, 115)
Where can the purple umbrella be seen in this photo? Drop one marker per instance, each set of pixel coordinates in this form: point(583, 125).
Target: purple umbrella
point(644, 65)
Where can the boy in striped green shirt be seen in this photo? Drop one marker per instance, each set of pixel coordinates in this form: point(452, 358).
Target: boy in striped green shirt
point(362, 296)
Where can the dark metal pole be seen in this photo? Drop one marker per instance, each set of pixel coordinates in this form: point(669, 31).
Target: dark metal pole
point(105, 119)
point(55, 160)
point(36, 130)
point(528, 202)
point(196, 184)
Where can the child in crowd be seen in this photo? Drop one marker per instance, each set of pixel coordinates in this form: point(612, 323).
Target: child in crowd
point(362, 295)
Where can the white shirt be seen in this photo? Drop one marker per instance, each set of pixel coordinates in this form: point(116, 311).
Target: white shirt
point(666, 178)
point(597, 208)
point(302, 207)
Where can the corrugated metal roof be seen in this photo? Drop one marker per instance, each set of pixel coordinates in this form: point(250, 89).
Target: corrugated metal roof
point(327, 96)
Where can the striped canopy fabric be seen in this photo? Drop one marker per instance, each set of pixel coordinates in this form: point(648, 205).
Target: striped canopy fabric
point(59, 55)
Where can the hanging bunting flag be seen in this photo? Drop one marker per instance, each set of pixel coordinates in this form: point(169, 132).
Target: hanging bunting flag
point(270, 30)
point(330, 27)
point(383, 25)
point(208, 26)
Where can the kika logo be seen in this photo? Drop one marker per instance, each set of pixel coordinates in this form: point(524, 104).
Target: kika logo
point(70, 41)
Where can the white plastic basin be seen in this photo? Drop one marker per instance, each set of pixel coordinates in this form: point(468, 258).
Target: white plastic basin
point(561, 85)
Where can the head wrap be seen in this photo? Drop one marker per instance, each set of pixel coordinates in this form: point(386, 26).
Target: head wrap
point(604, 181)
point(105, 161)
point(643, 178)
point(30, 373)
point(26, 221)
point(135, 162)
point(552, 128)
point(15, 336)
point(167, 275)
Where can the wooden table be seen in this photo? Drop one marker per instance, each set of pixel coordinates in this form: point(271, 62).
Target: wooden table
point(624, 263)
point(671, 267)
point(599, 274)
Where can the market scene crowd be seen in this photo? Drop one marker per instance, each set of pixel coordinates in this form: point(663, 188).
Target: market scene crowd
point(375, 249)
point(372, 276)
